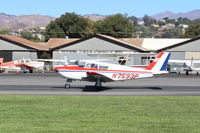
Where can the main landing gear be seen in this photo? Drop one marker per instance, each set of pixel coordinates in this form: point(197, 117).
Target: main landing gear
point(98, 84)
point(67, 85)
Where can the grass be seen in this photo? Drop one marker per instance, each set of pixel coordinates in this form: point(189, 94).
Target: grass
point(99, 114)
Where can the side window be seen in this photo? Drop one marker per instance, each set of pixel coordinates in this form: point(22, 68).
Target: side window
point(103, 67)
point(93, 66)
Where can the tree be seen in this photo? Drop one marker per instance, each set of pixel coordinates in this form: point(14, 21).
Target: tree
point(192, 31)
point(116, 26)
point(149, 21)
point(69, 24)
point(29, 36)
point(171, 33)
point(4, 32)
point(53, 31)
point(133, 20)
point(196, 21)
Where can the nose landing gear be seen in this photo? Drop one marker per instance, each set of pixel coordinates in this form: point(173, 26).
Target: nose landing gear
point(67, 86)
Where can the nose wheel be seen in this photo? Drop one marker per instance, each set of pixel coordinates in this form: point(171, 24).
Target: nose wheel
point(67, 86)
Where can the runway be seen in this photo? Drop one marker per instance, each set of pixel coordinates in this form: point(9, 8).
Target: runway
point(53, 84)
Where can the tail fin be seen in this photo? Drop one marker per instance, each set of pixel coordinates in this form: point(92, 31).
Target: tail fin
point(159, 64)
point(1, 60)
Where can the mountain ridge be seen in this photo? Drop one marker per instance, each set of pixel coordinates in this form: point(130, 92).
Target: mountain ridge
point(16, 22)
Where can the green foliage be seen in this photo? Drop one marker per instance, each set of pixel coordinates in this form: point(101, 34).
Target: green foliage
point(192, 31)
point(116, 26)
point(53, 31)
point(133, 20)
point(119, 26)
point(45, 55)
point(69, 24)
point(196, 21)
point(171, 33)
point(29, 36)
point(4, 32)
point(148, 21)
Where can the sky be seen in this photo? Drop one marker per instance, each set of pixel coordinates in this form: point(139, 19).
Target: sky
point(56, 8)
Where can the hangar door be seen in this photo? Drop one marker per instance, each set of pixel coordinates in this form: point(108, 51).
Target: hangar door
point(192, 55)
point(7, 55)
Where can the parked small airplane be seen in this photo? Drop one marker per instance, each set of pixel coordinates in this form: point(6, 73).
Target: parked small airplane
point(187, 65)
point(95, 71)
point(24, 65)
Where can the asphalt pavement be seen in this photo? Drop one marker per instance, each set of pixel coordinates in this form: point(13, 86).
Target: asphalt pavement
point(53, 84)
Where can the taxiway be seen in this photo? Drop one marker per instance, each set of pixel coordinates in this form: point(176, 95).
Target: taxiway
point(53, 84)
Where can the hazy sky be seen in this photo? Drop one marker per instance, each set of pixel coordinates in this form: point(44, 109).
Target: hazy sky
point(56, 8)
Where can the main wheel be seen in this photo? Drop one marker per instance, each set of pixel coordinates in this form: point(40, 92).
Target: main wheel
point(67, 86)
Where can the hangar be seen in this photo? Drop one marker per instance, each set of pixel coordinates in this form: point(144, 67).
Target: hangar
point(137, 50)
point(99, 47)
point(184, 50)
point(187, 50)
point(14, 48)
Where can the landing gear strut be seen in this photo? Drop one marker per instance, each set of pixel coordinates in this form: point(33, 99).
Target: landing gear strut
point(98, 84)
point(67, 85)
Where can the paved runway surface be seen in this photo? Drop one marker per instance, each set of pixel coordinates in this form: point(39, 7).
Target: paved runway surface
point(53, 84)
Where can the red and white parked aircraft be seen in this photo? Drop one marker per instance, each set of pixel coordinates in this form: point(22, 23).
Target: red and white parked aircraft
point(105, 72)
point(18, 65)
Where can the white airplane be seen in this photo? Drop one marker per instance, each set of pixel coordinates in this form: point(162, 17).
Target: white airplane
point(187, 65)
point(94, 71)
point(23, 64)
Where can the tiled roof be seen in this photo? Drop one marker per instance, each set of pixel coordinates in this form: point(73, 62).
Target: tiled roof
point(56, 42)
point(22, 41)
point(133, 42)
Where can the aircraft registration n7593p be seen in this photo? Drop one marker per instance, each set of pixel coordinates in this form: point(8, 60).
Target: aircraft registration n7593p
point(95, 71)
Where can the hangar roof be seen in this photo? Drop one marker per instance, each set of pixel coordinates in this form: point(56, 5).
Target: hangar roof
point(154, 44)
point(144, 44)
point(55, 43)
point(187, 41)
point(22, 41)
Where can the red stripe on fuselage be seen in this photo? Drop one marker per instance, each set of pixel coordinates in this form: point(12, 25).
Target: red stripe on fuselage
point(87, 69)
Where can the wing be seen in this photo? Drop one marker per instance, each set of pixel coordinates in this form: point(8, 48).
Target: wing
point(24, 65)
point(184, 61)
point(94, 76)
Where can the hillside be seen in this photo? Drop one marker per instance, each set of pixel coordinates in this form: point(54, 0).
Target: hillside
point(190, 15)
point(13, 22)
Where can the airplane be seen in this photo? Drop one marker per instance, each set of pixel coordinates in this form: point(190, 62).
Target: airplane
point(25, 65)
point(188, 65)
point(98, 72)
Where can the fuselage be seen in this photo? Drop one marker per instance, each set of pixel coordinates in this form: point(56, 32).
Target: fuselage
point(103, 72)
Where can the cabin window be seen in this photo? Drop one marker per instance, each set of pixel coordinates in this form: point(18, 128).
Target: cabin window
point(103, 67)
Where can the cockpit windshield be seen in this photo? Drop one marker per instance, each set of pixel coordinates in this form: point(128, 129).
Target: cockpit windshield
point(27, 60)
point(92, 66)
